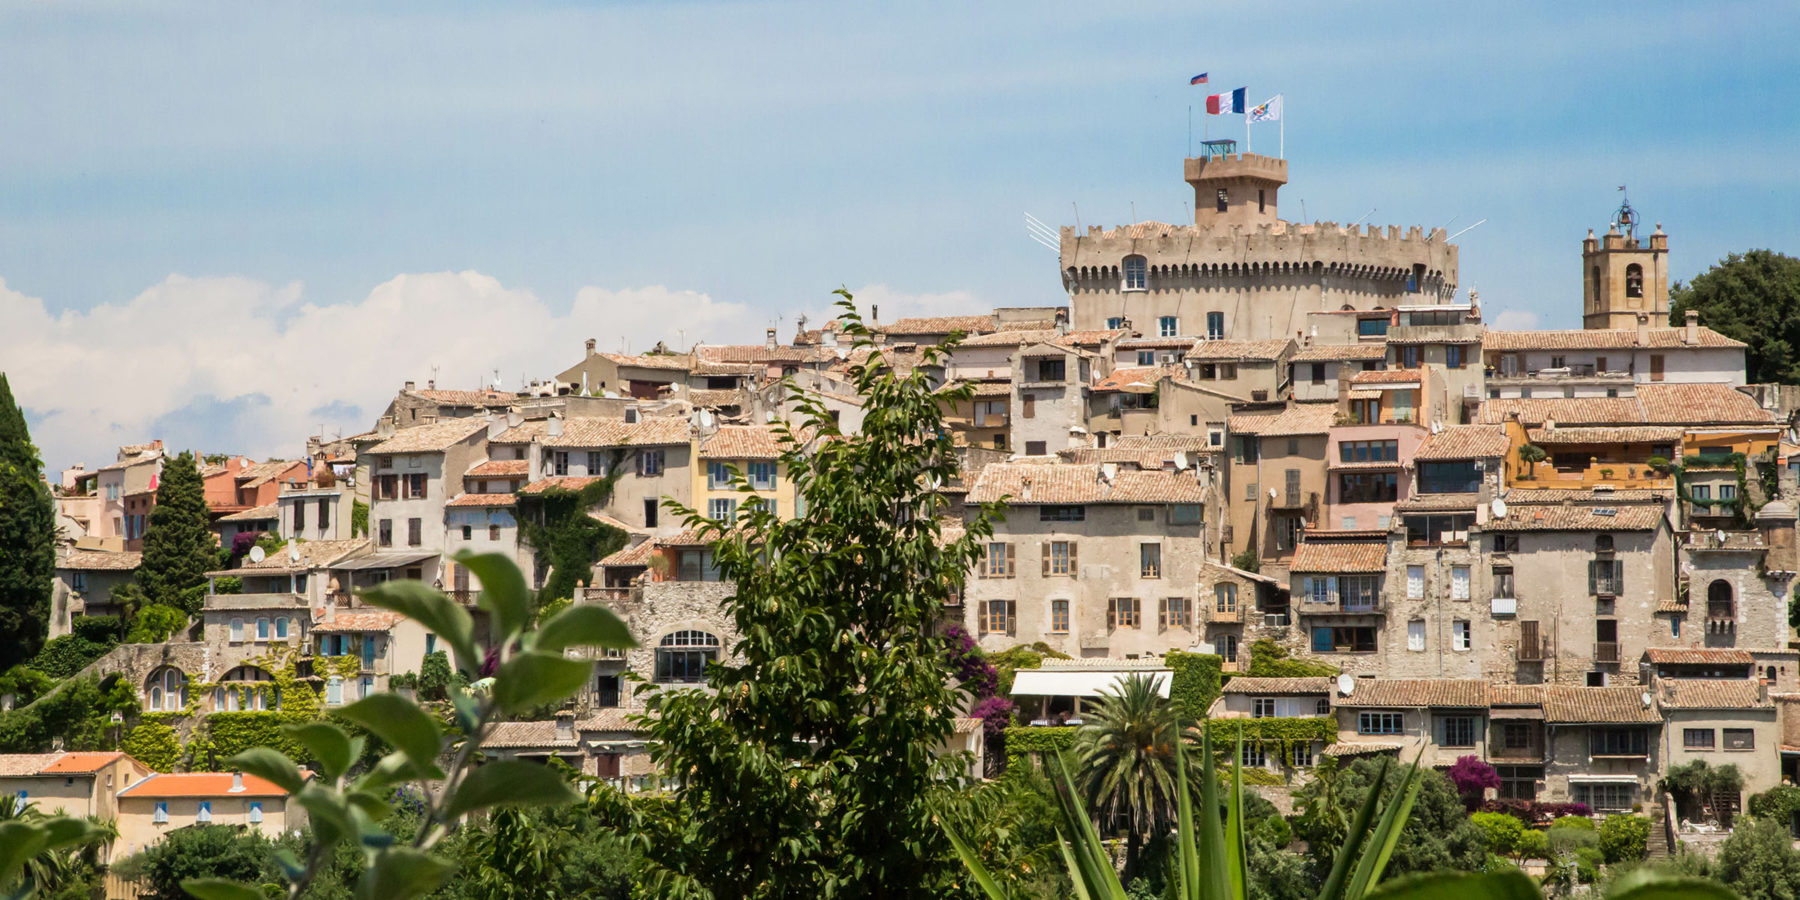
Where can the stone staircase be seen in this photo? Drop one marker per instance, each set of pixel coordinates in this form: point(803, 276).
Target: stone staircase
point(1661, 831)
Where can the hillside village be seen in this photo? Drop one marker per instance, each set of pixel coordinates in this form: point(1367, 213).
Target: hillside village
point(1570, 553)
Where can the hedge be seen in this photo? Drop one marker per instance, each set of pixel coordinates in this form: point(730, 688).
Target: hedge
point(1194, 684)
point(1273, 731)
point(1023, 742)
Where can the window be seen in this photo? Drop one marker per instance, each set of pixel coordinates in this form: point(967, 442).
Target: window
point(384, 533)
point(723, 509)
point(1184, 514)
point(1368, 451)
point(1372, 327)
point(1727, 492)
point(1698, 738)
point(162, 812)
point(1253, 756)
point(1318, 373)
point(1058, 558)
point(649, 512)
point(1458, 477)
point(1459, 582)
point(718, 475)
point(1606, 577)
point(1656, 367)
point(559, 463)
point(1518, 782)
point(1415, 635)
point(1415, 582)
point(1114, 323)
point(1438, 529)
point(1123, 612)
point(1149, 560)
point(681, 657)
point(1221, 200)
point(1506, 543)
point(1368, 487)
point(1343, 639)
point(1263, 708)
point(1146, 514)
point(1225, 597)
point(1460, 636)
point(1616, 742)
point(1359, 592)
point(1740, 739)
point(649, 463)
point(237, 630)
point(493, 532)
point(299, 516)
point(1051, 512)
point(256, 812)
point(1146, 357)
point(468, 532)
point(387, 487)
point(1059, 617)
point(1137, 271)
point(1228, 648)
point(1453, 356)
point(1176, 612)
point(1215, 326)
point(1168, 326)
point(1300, 754)
point(1247, 452)
point(415, 532)
point(415, 486)
point(998, 617)
point(1035, 448)
point(997, 561)
point(281, 628)
point(262, 629)
point(1052, 370)
point(1379, 723)
point(606, 691)
point(1456, 731)
point(334, 691)
point(596, 463)
point(1415, 278)
point(1605, 797)
point(1409, 356)
point(762, 475)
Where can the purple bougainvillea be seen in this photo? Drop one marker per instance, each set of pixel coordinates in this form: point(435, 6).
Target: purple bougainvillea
point(972, 669)
point(241, 544)
point(1472, 778)
point(995, 714)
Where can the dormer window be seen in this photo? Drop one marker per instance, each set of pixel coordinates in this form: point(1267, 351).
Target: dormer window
point(1137, 273)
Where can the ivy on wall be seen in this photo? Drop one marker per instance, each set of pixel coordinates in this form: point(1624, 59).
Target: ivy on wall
point(1025, 743)
point(154, 744)
point(1195, 683)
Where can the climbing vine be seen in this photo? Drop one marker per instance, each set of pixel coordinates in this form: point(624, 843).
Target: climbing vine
point(1194, 683)
point(1024, 743)
point(555, 523)
point(154, 744)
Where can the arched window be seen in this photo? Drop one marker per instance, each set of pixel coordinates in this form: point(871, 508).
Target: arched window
point(246, 688)
point(1720, 602)
point(1634, 280)
point(681, 657)
point(166, 690)
point(1137, 273)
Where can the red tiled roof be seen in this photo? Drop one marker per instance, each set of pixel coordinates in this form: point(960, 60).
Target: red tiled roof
point(1387, 376)
point(658, 361)
point(483, 398)
point(1081, 483)
point(501, 468)
point(1464, 442)
point(1340, 556)
point(356, 620)
point(201, 785)
point(1141, 377)
point(100, 561)
point(939, 325)
point(20, 764)
point(1622, 705)
point(1654, 404)
point(483, 500)
point(1340, 352)
point(1602, 339)
point(1448, 692)
point(1711, 693)
point(742, 442)
point(1698, 656)
point(1596, 517)
point(78, 763)
point(1239, 350)
point(648, 431)
point(1242, 684)
point(634, 555)
point(1298, 419)
point(1623, 434)
point(430, 438)
point(562, 482)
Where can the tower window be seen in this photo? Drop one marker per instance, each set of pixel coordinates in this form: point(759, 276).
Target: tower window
point(1261, 201)
point(1215, 326)
point(1223, 199)
point(1137, 271)
point(1634, 280)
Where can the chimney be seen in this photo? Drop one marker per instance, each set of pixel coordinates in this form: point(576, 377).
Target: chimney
point(1690, 332)
point(874, 314)
point(769, 339)
point(1062, 321)
point(828, 336)
point(1643, 329)
point(565, 725)
point(590, 346)
point(554, 427)
point(431, 384)
point(409, 385)
point(1025, 488)
point(237, 782)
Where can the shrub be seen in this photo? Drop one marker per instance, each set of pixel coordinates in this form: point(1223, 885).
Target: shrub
point(1533, 844)
point(228, 584)
point(973, 671)
point(1505, 833)
point(1587, 864)
point(995, 713)
point(1567, 839)
point(1472, 777)
point(1246, 561)
point(99, 629)
point(1573, 821)
point(1270, 660)
point(204, 851)
point(1778, 803)
point(434, 676)
point(153, 744)
point(66, 655)
point(155, 623)
point(1624, 838)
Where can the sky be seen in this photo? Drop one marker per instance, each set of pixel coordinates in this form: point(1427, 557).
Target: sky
point(230, 226)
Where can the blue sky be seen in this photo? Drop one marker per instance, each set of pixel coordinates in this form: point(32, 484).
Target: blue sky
point(188, 179)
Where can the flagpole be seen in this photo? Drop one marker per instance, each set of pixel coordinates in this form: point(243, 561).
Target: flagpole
point(1190, 129)
point(1283, 123)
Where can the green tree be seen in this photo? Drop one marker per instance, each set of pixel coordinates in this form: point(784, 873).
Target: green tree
point(1624, 838)
point(1505, 833)
point(155, 623)
point(28, 536)
point(809, 770)
point(1753, 297)
point(1438, 835)
point(1125, 762)
point(63, 869)
point(179, 548)
point(1759, 862)
point(204, 851)
point(1531, 455)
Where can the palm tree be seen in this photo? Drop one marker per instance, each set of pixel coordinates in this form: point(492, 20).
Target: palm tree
point(70, 851)
point(1125, 759)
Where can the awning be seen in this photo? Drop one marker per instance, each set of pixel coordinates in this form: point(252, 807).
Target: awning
point(1603, 779)
point(1037, 683)
point(383, 561)
point(1516, 713)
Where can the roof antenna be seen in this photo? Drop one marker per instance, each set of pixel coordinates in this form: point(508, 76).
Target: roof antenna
point(1077, 209)
point(1359, 221)
point(1041, 233)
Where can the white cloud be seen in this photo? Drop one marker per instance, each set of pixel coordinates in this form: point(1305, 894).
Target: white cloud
point(237, 365)
point(1516, 320)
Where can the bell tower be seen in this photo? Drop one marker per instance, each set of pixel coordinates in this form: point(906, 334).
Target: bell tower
point(1622, 276)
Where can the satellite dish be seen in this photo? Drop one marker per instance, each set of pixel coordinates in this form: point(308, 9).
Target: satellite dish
point(1181, 460)
point(1646, 696)
point(257, 554)
point(1499, 507)
point(1346, 684)
point(1721, 535)
point(1271, 493)
point(294, 550)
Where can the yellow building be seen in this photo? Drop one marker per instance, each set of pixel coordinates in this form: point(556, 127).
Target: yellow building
point(162, 803)
point(754, 451)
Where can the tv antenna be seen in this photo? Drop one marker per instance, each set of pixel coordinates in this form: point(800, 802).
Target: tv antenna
point(1464, 231)
point(1043, 234)
point(1358, 221)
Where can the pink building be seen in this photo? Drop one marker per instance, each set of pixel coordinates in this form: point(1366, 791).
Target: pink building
point(1366, 465)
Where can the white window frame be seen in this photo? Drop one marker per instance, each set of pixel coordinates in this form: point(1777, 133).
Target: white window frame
point(1459, 583)
point(1415, 635)
point(1168, 326)
point(1134, 273)
point(1415, 582)
point(1462, 635)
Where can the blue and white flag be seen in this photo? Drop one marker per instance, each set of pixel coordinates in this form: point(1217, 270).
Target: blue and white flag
point(1270, 111)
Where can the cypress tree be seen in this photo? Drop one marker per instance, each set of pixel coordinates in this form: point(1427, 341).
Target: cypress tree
point(27, 538)
point(179, 548)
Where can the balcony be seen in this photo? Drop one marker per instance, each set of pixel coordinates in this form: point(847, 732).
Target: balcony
point(1505, 606)
point(1232, 616)
point(1506, 375)
point(1309, 608)
point(1724, 541)
point(1530, 650)
point(1294, 499)
point(1615, 474)
point(1716, 509)
point(1606, 653)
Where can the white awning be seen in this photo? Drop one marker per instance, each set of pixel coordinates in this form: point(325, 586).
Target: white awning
point(1037, 683)
point(1603, 779)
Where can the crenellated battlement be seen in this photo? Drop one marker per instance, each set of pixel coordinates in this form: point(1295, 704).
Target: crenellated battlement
point(1236, 165)
point(1321, 243)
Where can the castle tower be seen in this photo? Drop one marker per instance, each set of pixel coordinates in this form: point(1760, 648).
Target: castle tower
point(1232, 188)
point(1622, 276)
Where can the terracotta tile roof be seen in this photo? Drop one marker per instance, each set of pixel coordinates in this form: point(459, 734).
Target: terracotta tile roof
point(1339, 556)
point(1671, 605)
point(1558, 495)
point(939, 325)
point(1563, 410)
point(633, 555)
point(482, 398)
point(1699, 404)
point(523, 434)
point(1360, 748)
point(81, 763)
point(313, 554)
point(258, 474)
point(647, 431)
point(1009, 338)
point(612, 720)
point(1602, 339)
point(1515, 695)
point(483, 500)
point(201, 785)
point(1242, 684)
point(1624, 434)
point(1156, 343)
point(501, 468)
point(984, 389)
point(1434, 502)
point(1696, 656)
point(523, 735)
point(1143, 459)
point(1340, 352)
point(750, 353)
point(20, 764)
point(1145, 230)
point(1386, 376)
point(254, 514)
point(1448, 692)
point(714, 399)
point(1298, 419)
point(1239, 350)
point(742, 442)
point(1081, 483)
point(431, 438)
point(351, 620)
point(687, 537)
point(562, 482)
point(1089, 338)
point(99, 561)
point(1711, 693)
point(1141, 379)
point(671, 362)
point(1598, 517)
point(1464, 442)
point(965, 725)
point(1193, 443)
point(1622, 705)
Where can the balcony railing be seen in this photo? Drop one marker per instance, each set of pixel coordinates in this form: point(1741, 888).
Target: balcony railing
point(1606, 652)
point(1724, 541)
point(1232, 615)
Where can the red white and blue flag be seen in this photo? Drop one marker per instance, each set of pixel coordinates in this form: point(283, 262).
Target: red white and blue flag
point(1198, 79)
point(1221, 104)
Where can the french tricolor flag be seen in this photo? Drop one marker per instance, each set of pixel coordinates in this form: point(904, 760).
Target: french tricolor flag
point(1221, 104)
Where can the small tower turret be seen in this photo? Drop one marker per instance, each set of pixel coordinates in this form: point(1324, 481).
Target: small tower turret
point(1623, 276)
point(1233, 188)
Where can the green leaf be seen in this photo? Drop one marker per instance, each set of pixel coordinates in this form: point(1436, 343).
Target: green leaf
point(584, 625)
point(220, 889)
point(329, 744)
point(509, 782)
point(438, 613)
point(503, 592)
point(18, 842)
point(401, 723)
point(1188, 865)
point(973, 863)
point(534, 678)
point(1337, 882)
point(372, 806)
point(1508, 885)
point(393, 769)
point(65, 831)
point(1644, 884)
point(270, 764)
point(403, 872)
point(329, 813)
